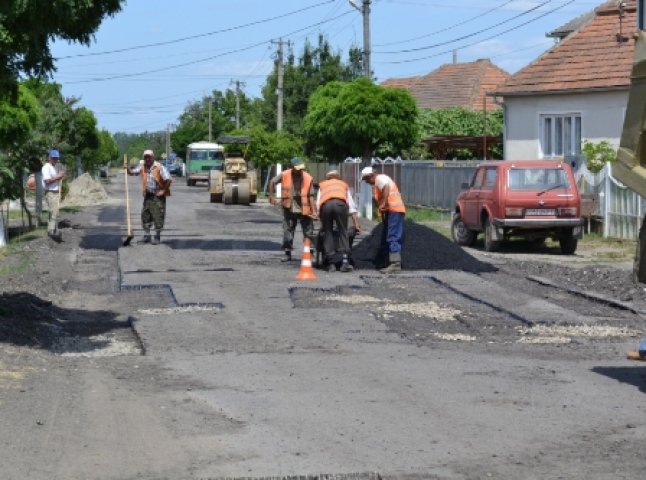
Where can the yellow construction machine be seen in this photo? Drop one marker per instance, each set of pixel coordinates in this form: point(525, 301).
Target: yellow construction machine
point(234, 182)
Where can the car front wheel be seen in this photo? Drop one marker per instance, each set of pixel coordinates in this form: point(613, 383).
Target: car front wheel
point(460, 233)
point(568, 243)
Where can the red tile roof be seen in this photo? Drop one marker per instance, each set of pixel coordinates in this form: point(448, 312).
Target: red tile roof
point(454, 85)
point(598, 56)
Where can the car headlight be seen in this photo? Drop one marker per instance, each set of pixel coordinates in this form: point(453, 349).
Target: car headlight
point(514, 212)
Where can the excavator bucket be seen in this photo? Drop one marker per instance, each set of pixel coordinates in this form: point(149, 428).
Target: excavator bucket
point(630, 167)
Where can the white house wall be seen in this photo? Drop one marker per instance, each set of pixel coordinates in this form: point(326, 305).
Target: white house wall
point(602, 116)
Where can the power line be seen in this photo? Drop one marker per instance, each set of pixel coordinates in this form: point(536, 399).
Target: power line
point(476, 17)
point(485, 39)
point(428, 47)
point(201, 35)
point(162, 69)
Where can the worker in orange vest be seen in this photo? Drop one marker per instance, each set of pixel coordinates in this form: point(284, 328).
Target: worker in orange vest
point(155, 187)
point(297, 199)
point(334, 201)
point(392, 210)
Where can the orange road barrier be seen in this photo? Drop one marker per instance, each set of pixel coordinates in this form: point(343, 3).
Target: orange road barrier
point(306, 271)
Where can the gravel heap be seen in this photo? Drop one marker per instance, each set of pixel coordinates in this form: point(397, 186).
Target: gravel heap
point(84, 191)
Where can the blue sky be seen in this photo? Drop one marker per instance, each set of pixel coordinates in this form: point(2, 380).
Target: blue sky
point(154, 57)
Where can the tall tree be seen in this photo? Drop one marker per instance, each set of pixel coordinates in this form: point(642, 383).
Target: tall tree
point(355, 118)
point(27, 27)
point(194, 121)
point(316, 66)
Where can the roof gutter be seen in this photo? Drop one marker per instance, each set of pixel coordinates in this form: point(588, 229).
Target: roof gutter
point(617, 88)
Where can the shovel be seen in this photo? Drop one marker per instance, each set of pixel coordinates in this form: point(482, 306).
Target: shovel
point(129, 238)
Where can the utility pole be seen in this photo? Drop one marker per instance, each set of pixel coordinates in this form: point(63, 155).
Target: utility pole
point(167, 141)
point(210, 103)
point(364, 8)
point(238, 84)
point(279, 88)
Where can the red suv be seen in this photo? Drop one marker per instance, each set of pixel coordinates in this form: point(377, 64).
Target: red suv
point(533, 199)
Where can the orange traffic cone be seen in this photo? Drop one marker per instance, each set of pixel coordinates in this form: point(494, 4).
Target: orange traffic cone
point(306, 272)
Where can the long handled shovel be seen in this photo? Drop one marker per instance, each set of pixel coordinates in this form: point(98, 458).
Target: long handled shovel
point(129, 238)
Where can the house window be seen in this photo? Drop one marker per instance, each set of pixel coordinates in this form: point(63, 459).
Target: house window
point(560, 135)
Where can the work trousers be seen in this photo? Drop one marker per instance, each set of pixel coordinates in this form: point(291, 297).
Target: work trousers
point(53, 205)
point(335, 213)
point(392, 233)
point(290, 220)
point(153, 212)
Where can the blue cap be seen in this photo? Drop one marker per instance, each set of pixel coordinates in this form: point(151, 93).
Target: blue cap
point(54, 154)
point(297, 163)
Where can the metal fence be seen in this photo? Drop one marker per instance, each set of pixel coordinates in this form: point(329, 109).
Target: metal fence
point(436, 184)
point(620, 209)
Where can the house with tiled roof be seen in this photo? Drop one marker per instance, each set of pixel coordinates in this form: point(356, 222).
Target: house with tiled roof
point(575, 91)
point(454, 85)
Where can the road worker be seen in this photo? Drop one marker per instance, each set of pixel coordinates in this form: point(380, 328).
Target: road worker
point(392, 210)
point(297, 199)
point(334, 202)
point(155, 185)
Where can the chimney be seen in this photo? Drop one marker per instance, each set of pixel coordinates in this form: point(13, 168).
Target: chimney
point(455, 56)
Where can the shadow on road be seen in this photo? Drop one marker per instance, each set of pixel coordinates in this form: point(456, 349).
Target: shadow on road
point(423, 249)
point(634, 375)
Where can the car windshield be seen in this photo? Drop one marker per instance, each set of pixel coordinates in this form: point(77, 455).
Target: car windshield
point(541, 179)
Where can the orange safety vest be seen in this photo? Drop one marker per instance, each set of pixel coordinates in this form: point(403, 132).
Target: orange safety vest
point(333, 188)
point(287, 192)
point(156, 172)
point(394, 202)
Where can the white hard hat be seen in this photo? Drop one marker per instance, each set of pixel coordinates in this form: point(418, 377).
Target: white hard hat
point(366, 172)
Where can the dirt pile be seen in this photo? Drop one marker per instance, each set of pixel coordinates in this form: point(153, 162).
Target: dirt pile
point(84, 191)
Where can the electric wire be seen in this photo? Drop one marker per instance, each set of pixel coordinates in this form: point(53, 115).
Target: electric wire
point(486, 38)
point(194, 62)
point(201, 35)
point(450, 27)
point(463, 37)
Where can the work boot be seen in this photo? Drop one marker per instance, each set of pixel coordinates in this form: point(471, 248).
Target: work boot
point(394, 265)
point(346, 267)
point(287, 257)
point(156, 239)
point(145, 238)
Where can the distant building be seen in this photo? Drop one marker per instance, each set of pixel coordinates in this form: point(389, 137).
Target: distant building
point(575, 91)
point(454, 85)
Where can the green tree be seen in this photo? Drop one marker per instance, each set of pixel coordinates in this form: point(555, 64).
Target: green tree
point(17, 122)
point(194, 121)
point(355, 118)
point(316, 66)
point(598, 154)
point(461, 121)
point(272, 147)
point(27, 27)
point(105, 152)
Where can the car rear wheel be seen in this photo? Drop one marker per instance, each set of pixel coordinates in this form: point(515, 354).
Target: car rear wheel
point(490, 245)
point(460, 233)
point(568, 243)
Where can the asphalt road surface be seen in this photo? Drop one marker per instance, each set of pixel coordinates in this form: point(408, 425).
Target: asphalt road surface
point(203, 357)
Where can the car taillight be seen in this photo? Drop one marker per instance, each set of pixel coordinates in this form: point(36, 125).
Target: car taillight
point(567, 212)
point(514, 212)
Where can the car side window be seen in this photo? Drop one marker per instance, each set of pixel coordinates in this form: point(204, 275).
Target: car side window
point(490, 178)
point(478, 178)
